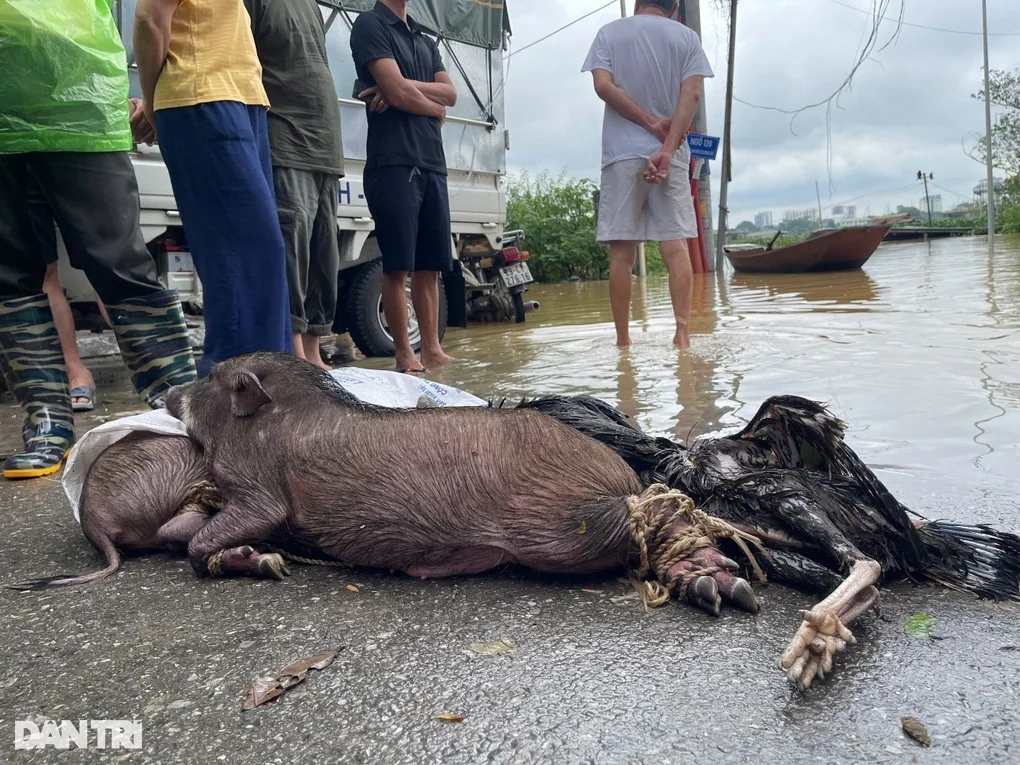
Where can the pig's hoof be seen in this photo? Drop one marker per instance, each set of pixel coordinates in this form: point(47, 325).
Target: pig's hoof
point(272, 566)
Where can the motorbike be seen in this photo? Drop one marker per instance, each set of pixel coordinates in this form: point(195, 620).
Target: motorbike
point(498, 281)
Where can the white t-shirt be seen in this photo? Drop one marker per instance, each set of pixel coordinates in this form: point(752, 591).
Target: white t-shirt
point(649, 57)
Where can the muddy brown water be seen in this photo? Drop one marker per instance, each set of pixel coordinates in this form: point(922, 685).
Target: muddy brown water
point(919, 352)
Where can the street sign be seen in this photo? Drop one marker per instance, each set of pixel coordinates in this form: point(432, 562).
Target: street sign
point(703, 146)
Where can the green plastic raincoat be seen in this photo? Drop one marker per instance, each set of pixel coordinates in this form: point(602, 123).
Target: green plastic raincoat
point(63, 77)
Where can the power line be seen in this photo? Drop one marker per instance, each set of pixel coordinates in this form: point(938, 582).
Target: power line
point(931, 29)
point(949, 191)
point(565, 26)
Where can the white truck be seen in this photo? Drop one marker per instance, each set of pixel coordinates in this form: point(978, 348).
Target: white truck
point(493, 272)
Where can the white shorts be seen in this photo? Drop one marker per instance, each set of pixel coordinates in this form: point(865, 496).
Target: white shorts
point(632, 210)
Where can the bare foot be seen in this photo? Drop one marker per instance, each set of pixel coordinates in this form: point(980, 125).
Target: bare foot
point(681, 338)
point(436, 359)
point(409, 364)
point(623, 341)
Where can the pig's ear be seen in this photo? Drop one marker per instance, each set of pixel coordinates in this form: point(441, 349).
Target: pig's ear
point(247, 395)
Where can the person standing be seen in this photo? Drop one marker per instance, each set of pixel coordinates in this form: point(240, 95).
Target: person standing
point(202, 87)
point(307, 158)
point(65, 124)
point(649, 70)
point(407, 93)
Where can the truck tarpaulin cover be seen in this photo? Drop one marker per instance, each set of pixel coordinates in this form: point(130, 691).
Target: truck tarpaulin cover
point(63, 77)
point(476, 22)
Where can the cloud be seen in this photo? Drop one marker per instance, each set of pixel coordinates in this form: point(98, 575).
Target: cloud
point(909, 109)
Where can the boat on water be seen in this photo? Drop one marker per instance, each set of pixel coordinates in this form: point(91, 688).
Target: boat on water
point(840, 249)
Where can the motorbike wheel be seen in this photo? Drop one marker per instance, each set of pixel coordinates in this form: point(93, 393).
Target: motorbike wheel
point(518, 298)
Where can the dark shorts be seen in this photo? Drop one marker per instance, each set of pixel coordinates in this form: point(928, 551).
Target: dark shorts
point(43, 225)
point(411, 210)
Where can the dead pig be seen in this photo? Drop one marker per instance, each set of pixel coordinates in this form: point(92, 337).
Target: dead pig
point(430, 492)
point(132, 498)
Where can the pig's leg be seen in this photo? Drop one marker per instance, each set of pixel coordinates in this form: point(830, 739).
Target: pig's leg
point(707, 591)
point(219, 548)
point(181, 528)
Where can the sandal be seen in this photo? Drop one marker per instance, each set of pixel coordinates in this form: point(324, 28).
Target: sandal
point(85, 392)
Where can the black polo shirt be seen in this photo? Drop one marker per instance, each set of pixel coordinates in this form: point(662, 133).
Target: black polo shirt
point(396, 137)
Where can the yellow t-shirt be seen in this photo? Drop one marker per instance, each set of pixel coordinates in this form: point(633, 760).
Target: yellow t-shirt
point(212, 57)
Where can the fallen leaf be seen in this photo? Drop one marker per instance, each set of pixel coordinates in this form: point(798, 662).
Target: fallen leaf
point(494, 648)
point(592, 592)
point(445, 717)
point(920, 625)
point(268, 688)
point(352, 588)
point(916, 730)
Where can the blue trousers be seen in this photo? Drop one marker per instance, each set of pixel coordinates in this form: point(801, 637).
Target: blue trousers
point(218, 157)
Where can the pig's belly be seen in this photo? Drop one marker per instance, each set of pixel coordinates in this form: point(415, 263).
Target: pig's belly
point(444, 492)
point(433, 537)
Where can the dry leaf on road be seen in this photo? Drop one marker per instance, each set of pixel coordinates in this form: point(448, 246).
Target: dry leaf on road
point(494, 648)
point(268, 688)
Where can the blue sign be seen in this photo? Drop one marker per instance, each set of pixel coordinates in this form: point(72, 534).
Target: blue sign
point(703, 146)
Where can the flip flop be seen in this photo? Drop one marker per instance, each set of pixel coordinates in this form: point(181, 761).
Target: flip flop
point(413, 372)
point(83, 391)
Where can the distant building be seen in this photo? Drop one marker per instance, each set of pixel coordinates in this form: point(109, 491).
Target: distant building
point(763, 220)
point(840, 212)
point(837, 211)
point(935, 201)
point(808, 214)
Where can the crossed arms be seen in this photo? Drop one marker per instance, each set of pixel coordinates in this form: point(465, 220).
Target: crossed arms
point(428, 99)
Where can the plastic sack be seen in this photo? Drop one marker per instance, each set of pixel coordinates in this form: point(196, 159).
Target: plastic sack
point(390, 389)
point(63, 77)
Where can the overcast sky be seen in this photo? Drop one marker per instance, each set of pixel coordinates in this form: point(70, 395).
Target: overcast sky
point(909, 108)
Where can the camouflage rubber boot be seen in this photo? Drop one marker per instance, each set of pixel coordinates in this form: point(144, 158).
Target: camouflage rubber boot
point(33, 366)
point(154, 343)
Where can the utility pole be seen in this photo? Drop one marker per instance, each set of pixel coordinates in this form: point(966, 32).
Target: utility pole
point(724, 184)
point(641, 265)
point(927, 201)
point(988, 133)
point(819, 196)
point(691, 15)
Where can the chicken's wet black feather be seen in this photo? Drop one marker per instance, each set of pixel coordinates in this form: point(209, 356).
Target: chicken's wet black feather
point(790, 476)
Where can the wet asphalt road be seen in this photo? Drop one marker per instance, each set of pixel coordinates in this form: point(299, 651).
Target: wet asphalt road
point(594, 678)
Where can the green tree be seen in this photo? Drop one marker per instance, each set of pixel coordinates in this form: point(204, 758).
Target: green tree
point(746, 227)
point(558, 218)
point(1004, 88)
point(1004, 91)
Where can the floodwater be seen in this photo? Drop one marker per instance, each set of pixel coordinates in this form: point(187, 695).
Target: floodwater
point(919, 352)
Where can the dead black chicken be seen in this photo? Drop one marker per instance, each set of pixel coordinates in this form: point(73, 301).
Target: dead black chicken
point(826, 522)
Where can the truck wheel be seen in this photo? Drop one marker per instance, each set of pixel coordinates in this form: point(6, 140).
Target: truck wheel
point(518, 307)
point(365, 318)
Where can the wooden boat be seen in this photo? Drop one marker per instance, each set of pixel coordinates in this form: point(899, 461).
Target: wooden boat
point(838, 249)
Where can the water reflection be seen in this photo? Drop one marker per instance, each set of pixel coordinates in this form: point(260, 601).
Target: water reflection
point(853, 289)
point(920, 352)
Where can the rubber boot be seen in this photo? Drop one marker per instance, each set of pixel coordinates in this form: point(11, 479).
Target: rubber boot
point(33, 365)
point(154, 343)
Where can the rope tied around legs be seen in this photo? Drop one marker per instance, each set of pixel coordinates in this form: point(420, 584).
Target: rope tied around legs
point(665, 529)
point(201, 497)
